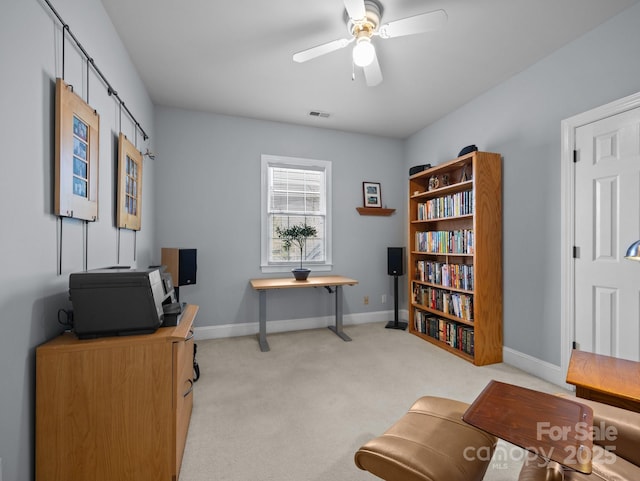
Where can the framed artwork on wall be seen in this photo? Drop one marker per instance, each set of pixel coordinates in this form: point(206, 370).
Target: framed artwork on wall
point(129, 201)
point(77, 151)
point(371, 194)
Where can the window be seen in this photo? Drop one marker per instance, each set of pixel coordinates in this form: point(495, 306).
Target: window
point(295, 191)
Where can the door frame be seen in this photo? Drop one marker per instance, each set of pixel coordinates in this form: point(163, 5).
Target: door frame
point(567, 226)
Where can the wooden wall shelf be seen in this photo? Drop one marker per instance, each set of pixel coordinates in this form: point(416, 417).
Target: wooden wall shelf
point(374, 211)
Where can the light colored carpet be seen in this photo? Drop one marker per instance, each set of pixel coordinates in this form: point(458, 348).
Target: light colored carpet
point(301, 411)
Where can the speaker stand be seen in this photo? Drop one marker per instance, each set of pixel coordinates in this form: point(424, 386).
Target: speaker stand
point(395, 324)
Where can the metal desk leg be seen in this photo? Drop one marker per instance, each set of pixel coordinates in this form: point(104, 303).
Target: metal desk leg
point(262, 318)
point(338, 327)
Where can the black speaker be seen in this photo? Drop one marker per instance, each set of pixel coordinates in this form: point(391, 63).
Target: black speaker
point(395, 261)
point(395, 268)
point(188, 266)
point(181, 264)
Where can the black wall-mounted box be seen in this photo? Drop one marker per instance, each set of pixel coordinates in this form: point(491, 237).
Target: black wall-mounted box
point(418, 168)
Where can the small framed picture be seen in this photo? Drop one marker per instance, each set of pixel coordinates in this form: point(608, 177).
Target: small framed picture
point(371, 194)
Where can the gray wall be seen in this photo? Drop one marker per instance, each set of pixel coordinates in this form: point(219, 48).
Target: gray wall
point(202, 190)
point(208, 182)
point(521, 120)
point(31, 290)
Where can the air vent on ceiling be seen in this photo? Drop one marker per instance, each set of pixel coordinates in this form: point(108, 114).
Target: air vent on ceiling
point(317, 113)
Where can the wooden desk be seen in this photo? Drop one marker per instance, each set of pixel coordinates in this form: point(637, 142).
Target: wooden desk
point(550, 426)
point(605, 379)
point(263, 285)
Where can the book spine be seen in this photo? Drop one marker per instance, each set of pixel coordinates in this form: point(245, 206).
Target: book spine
point(456, 335)
point(445, 242)
point(452, 205)
point(458, 304)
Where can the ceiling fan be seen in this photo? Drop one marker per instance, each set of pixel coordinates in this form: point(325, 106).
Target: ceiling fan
point(363, 23)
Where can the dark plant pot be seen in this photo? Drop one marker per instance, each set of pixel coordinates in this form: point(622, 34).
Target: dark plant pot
point(301, 273)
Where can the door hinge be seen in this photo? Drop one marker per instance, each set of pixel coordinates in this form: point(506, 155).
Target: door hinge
point(575, 156)
point(576, 252)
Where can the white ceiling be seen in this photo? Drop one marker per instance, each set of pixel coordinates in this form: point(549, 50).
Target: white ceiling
point(234, 57)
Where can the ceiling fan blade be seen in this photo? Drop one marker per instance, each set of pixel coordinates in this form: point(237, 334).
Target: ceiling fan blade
point(355, 9)
point(319, 50)
point(372, 73)
point(416, 24)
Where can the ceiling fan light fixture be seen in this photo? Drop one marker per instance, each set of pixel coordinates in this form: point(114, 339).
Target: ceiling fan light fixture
point(362, 18)
point(364, 52)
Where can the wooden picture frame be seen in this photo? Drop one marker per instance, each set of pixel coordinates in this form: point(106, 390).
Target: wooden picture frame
point(371, 194)
point(77, 150)
point(129, 202)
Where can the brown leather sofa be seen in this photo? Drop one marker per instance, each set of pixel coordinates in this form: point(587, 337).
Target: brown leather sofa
point(432, 443)
point(616, 449)
point(429, 443)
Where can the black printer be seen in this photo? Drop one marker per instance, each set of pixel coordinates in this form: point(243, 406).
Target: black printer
point(119, 301)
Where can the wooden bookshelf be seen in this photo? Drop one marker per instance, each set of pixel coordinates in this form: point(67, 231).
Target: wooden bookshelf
point(455, 256)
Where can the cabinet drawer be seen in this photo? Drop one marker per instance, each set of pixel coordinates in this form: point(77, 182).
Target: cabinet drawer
point(183, 394)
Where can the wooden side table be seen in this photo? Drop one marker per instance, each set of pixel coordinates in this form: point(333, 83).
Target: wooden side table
point(605, 379)
point(550, 426)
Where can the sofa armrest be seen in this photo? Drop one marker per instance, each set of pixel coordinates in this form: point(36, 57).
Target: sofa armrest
point(537, 469)
point(615, 429)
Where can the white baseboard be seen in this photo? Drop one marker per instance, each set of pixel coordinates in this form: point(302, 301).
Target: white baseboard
point(537, 367)
point(249, 328)
point(544, 370)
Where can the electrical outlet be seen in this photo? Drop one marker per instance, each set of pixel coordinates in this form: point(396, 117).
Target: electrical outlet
point(366, 300)
point(384, 298)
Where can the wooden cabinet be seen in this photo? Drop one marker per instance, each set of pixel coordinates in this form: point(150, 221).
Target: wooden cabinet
point(114, 407)
point(605, 379)
point(455, 256)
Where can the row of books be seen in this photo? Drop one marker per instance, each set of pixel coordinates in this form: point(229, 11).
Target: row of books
point(459, 305)
point(456, 335)
point(459, 276)
point(460, 203)
point(445, 242)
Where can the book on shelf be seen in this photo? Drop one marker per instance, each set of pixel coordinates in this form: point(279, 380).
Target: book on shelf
point(458, 336)
point(459, 276)
point(445, 242)
point(454, 303)
point(454, 205)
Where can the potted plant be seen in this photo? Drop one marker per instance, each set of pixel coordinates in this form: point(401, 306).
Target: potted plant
point(297, 234)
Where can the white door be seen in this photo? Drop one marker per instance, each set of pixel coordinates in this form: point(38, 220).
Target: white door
point(607, 221)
